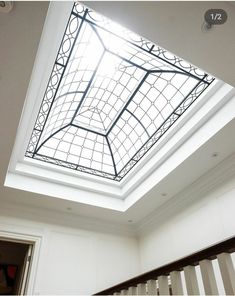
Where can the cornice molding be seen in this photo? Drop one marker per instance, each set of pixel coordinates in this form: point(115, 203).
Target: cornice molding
point(62, 219)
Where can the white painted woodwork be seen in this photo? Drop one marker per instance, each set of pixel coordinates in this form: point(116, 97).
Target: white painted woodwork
point(132, 291)
point(191, 280)
point(141, 289)
point(152, 287)
point(208, 277)
point(176, 283)
point(227, 272)
point(123, 292)
point(163, 285)
point(25, 271)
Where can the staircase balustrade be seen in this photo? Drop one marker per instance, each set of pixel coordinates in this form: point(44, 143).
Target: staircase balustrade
point(181, 277)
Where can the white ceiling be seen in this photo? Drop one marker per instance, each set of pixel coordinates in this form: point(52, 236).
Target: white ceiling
point(173, 25)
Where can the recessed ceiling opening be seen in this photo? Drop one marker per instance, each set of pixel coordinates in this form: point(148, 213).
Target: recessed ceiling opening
point(110, 97)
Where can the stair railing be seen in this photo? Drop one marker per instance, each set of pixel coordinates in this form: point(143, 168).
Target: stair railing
point(168, 279)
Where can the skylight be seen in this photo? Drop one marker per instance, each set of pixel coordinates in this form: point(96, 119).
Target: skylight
point(110, 97)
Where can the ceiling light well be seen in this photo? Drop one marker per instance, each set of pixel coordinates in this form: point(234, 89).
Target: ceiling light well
point(110, 98)
point(91, 188)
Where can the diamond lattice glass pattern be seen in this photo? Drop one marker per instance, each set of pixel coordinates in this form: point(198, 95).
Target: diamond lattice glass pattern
point(110, 97)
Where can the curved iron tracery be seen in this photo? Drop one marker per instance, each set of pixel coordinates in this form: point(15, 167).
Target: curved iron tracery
point(111, 96)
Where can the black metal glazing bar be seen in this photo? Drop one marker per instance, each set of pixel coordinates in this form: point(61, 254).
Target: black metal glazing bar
point(59, 64)
point(62, 74)
point(181, 69)
point(176, 114)
point(111, 153)
point(115, 54)
point(97, 34)
point(176, 72)
point(138, 46)
point(88, 87)
point(52, 135)
point(87, 129)
point(126, 60)
point(66, 164)
point(70, 93)
point(128, 102)
point(195, 87)
point(89, 109)
point(151, 48)
point(132, 114)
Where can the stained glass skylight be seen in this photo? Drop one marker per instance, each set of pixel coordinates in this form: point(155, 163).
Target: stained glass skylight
point(110, 97)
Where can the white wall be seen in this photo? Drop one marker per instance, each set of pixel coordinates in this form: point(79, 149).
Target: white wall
point(83, 256)
point(73, 259)
point(199, 217)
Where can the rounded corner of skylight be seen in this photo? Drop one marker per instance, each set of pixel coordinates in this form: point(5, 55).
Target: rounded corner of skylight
point(111, 96)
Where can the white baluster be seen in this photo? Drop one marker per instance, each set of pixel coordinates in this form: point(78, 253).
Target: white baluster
point(227, 273)
point(132, 291)
point(123, 292)
point(141, 289)
point(163, 285)
point(208, 277)
point(152, 287)
point(191, 280)
point(176, 283)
